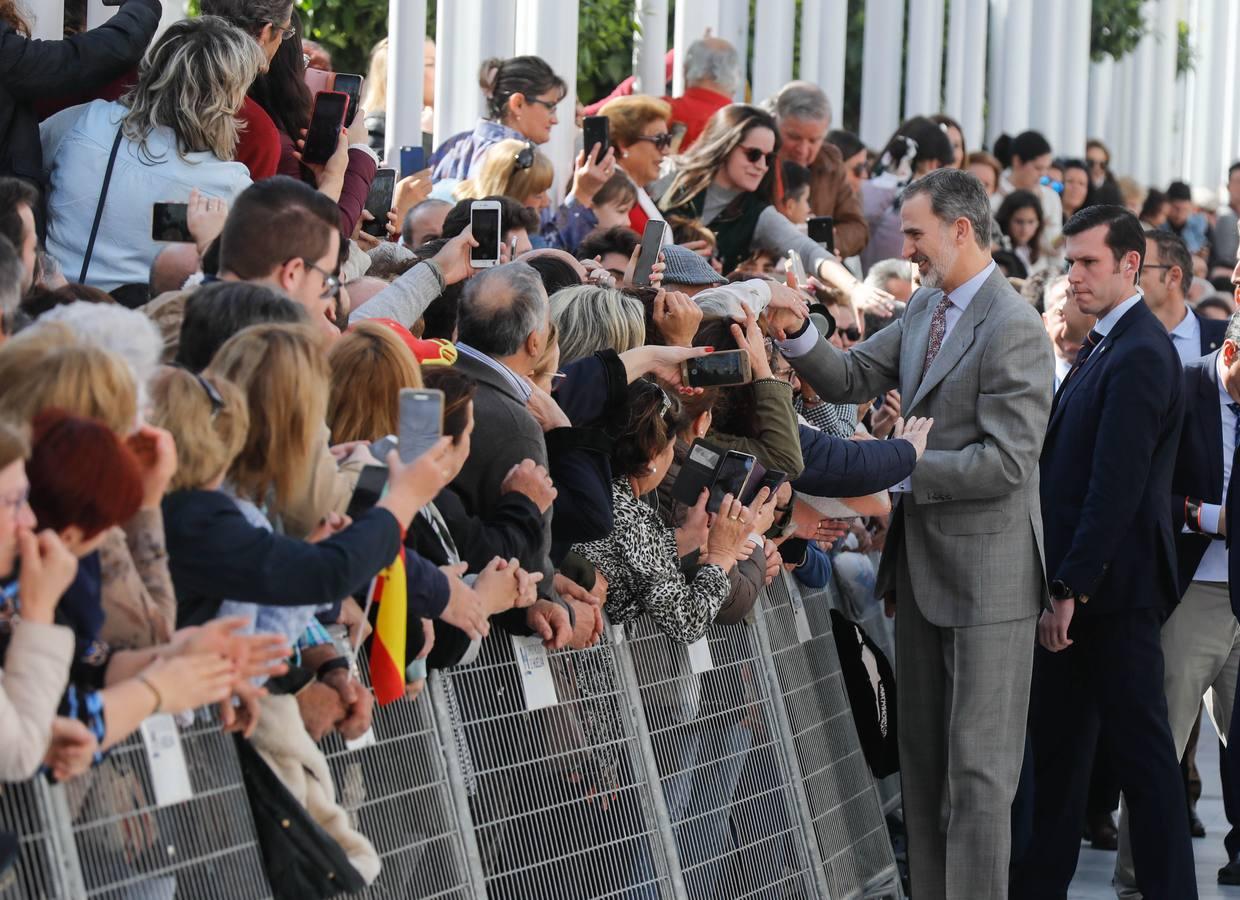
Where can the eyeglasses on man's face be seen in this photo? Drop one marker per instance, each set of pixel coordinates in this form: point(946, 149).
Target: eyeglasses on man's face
point(331, 284)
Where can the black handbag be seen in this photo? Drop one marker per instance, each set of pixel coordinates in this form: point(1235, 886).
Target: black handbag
point(870, 684)
point(302, 860)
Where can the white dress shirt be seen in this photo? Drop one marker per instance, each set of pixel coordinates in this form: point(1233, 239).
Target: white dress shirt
point(1111, 319)
point(1213, 566)
point(1187, 338)
point(1062, 368)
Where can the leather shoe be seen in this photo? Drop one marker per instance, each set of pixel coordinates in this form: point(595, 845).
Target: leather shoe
point(1195, 826)
point(1101, 832)
point(1230, 873)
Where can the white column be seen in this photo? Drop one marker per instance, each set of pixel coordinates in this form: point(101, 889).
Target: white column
point(1231, 123)
point(548, 28)
point(1215, 118)
point(97, 13)
point(47, 19)
point(1121, 120)
point(1195, 86)
point(406, 49)
point(1076, 84)
point(466, 33)
point(1017, 77)
point(810, 66)
point(693, 18)
point(880, 79)
point(966, 69)
point(1141, 118)
point(650, 47)
point(1164, 122)
point(924, 74)
point(734, 28)
point(1101, 85)
point(1046, 95)
point(996, 70)
point(173, 11)
point(773, 35)
point(833, 41)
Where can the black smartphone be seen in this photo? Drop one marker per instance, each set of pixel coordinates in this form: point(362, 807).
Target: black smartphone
point(484, 225)
point(696, 472)
point(370, 485)
point(169, 223)
point(379, 202)
point(323, 135)
point(350, 85)
point(821, 230)
point(722, 369)
point(596, 130)
point(652, 243)
point(730, 479)
point(421, 422)
point(771, 479)
point(412, 159)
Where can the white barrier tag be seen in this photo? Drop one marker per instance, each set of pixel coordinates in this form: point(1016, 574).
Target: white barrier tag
point(166, 758)
point(366, 740)
point(799, 617)
point(699, 656)
point(536, 681)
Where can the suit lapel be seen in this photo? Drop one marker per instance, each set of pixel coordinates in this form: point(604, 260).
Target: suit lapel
point(1082, 374)
point(916, 340)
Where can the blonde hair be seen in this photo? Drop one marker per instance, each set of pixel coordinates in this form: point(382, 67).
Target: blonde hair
point(629, 115)
point(283, 372)
point(193, 81)
point(724, 132)
point(208, 439)
point(375, 100)
point(499, 175)
point(14, 444)
point(369, 366)
point(542, 365)
point(592, 318)
point(49, 367)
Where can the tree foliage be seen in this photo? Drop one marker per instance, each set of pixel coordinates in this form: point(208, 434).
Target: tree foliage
point(1116, 28)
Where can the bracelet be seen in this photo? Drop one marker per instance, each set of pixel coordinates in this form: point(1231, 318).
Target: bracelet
point(159, 700)
point(332, 665)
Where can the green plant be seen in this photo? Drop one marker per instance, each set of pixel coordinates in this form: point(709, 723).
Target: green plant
point(347, 28)
point(1185, 56)
point(1117, 26)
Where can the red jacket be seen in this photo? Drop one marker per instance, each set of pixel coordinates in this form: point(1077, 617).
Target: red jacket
point(694, 109)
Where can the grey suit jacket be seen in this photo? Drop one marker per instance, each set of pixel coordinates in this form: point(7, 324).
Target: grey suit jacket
point(970, 530)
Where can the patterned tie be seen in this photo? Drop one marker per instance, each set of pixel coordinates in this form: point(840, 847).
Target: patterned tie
point(938, 330)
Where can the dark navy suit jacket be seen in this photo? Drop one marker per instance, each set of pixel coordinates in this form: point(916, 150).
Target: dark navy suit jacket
point(1106, 471)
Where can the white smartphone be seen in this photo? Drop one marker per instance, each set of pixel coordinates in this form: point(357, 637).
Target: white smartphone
point(797, 268)
point(421, 422)
point(484, 220)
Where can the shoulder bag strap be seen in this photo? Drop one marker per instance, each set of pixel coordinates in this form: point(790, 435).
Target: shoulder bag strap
point(103, 198)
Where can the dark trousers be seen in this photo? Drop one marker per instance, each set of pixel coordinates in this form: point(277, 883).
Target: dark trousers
point(1110, 678)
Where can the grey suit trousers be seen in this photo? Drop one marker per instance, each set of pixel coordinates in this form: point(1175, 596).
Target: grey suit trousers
point(963, 702)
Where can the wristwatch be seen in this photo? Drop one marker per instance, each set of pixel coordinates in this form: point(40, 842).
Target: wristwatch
point(1061, 591)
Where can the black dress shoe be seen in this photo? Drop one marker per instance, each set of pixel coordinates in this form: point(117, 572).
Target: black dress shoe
point(1195, 826)
point(1101, 832)
point(1230, 873)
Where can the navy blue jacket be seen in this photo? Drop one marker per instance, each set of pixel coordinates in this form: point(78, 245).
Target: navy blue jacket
point(1212, 331)
point(1106, 471)
point(1199, 463)
point(837, 467)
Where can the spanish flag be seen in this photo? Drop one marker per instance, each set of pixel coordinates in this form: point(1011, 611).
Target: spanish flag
point(387, 646)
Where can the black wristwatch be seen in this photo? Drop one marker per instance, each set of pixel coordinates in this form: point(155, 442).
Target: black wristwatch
point(1060, 591)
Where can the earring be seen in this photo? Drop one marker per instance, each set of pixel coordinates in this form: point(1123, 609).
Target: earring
point(624, 154)
point(652, 469)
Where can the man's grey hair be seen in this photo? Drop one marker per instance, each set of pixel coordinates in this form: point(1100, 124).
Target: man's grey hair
point(11, 274)
point(713, 60)
point(802, 100)
point(126, 332)
point(955, 194)
point(886, 269)
point(501, 307)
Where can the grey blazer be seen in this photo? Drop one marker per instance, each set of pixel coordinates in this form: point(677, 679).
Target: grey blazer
point(970, 530)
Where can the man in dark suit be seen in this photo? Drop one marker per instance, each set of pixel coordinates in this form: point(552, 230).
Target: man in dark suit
point(1106, 477)
point(1165, 276)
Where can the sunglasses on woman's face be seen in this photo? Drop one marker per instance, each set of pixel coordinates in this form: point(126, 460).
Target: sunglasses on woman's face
point(662, 141)
point(753, 154)
point(852, 332)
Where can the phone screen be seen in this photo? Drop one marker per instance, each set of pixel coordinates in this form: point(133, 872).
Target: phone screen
point(733, 471)
point(652, 243)
point(370, 485)
point(412, 159)
point(324, 132)
point(421, 422)
point(821, 230)
point(379, 202)
point(169, 223)
point(727, 367)
point(350, 85)
point(484, 221)
point(770, 479)
point(596, 130)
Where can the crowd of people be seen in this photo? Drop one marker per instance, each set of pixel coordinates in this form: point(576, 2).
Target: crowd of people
point(1015, 370)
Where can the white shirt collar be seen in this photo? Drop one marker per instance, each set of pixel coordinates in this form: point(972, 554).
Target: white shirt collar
point(1189, 328)
point(1107, 322)
point(962, 296)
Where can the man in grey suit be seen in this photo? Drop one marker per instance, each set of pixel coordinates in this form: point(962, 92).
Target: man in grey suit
point(963, 561)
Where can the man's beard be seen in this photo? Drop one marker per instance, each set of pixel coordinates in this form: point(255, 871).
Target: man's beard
point(937, 269)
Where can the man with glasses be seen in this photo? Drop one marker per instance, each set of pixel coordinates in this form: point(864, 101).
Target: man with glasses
point(1165, 276)
point(803, 114)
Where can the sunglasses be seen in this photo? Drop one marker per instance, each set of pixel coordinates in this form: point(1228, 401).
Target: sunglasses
point(662, 141)
point(852, 332)
point(753, 154)
point(525, 158)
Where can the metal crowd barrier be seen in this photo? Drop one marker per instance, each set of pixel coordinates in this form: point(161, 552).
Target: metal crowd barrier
point(638, 768)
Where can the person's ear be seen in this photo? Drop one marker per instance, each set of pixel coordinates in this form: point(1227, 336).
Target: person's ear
point(1229, 352)
point(72, 537)
point(289, 273)
point(534, 344)
point(701, 424)
point(515, 104)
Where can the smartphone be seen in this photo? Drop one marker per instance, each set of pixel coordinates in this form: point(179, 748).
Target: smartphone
point(652, 243)
point(421, 422)
point(412, 159)
point(596, 130)
point(169, 223)
point(821, 230)
point(323, 135)
point(350, 85)
point(484, 223)
point(730, 479)
point(370, 485)
point(797, 268)
point(379, 202)
point(319, 80)
point(722, 369)
point(771, 479)
point(696, 472)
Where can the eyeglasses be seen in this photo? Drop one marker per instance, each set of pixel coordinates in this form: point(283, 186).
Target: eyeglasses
point(784, 374)
point(548, 105)
point(525, 157)
point(286, 32)
point(1097, 163)
point(852, 332)
point(662, 141)
point(16, 500)
point(217, 402)
point(331, 284)
point(753, 154)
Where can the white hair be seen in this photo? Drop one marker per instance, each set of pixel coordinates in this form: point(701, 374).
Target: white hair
point(126, 332)
point(713, 61)
point(886, 269)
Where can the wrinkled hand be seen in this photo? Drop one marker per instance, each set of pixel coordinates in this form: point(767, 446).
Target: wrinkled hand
point(321, 708)
point(873, 300)
point(466, 609)
point(357, 701)
point(47, 570)
point(884, 418)
point(550, 622)
point(242, 717)
point(587, 623)
point(677, 317)
point(788, 309)
point(1053, 626)
point(691, 535)
point(729, 531)
point(205, 218)
point(764, 513)
point(71, 750)
point(156, 452)
point(545, 410)
point(498, 585)
point(774, 562)
point(915, 431)
point(532, 480)
point(566, 587)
